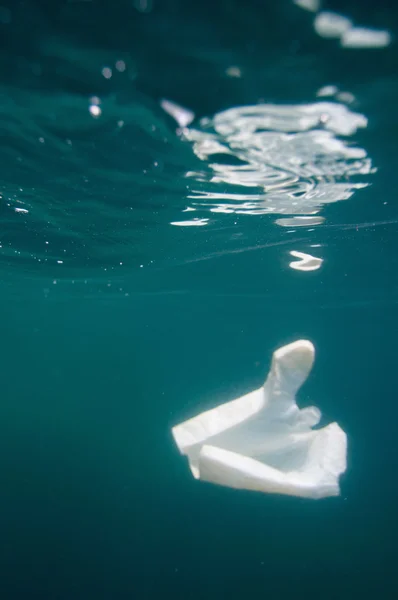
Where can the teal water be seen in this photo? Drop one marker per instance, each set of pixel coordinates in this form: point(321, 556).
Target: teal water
point(119, 320)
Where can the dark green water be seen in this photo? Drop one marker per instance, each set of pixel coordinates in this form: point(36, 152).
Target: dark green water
point(116, 324)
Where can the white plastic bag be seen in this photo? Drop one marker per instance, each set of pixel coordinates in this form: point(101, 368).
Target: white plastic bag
point(263, 441)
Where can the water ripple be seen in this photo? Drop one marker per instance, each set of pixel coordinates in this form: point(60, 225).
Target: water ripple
point(277, 159)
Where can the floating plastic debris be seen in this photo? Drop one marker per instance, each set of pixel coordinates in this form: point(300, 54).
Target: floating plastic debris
point(263, 441)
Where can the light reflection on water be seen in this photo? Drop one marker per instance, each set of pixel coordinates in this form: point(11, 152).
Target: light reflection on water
point(277, 159)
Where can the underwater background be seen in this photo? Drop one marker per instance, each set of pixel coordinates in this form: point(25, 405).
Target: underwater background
point(160, 161)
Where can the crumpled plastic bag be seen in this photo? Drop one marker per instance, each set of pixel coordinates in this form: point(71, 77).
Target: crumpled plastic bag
point(263, 441)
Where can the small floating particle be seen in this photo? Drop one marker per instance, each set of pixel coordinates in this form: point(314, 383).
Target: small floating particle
point(120, 66)
point(95, 110)
point(234, 72)
point(107, 72)
point(94, 107)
